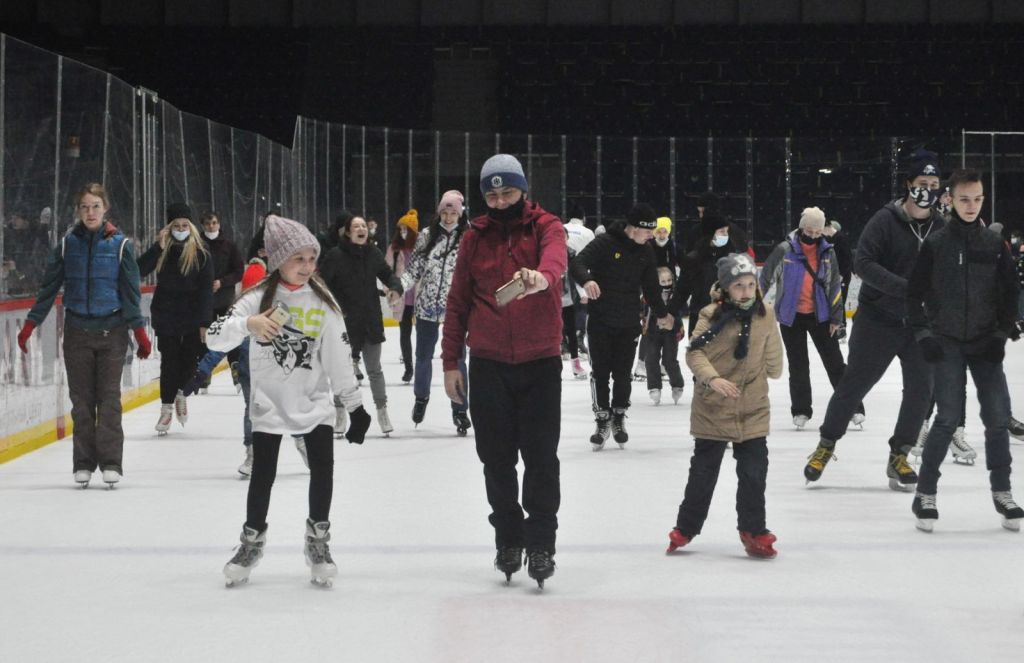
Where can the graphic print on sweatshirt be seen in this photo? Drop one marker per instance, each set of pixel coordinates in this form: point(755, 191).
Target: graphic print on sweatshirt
point(292, 349)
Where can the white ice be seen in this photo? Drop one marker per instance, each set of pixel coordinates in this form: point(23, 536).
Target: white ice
point(135, 573)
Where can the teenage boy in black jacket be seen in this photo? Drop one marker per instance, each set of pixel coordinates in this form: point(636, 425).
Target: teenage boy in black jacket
point(885, 258)
point(962, 304)
point(613, 270)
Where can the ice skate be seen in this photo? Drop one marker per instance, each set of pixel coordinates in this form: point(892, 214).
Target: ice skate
point(385, 421)
point(902, 476)
point(677, 393)
point(759, 546)
point(1012, 514)
point(676, 539)
point(508, 561)
point(407, 374)
point(619, 426)
point(236, 377)
point(578, 372)
point(925, 511)
point(922, 435)
point(963, 453)
point(655, 395)
point(1015, 429)
point(181, 408)
point(318, 554)
point(247, 556)
point(581, 341)
point(419, 410)
point(819, 459)
point(300, 446)
point(603, 431)
point(340, 420)
point(245, 469)
point(800, 421)
point(462, 422)
point(111, 477)
point(540, 566)
point(857, 420)
point(163, 424)
point(82, 478)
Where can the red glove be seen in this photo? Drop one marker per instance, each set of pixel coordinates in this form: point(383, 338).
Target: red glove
point(145, 347)
point(26, 331)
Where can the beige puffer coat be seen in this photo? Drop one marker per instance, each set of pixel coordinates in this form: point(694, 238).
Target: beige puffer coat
point(715, 417)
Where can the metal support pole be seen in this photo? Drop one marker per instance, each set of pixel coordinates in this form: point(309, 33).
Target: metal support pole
point(529, 157)
point(597, 187)
point(387, 207)
point(635, 177)
point(327, 179)
point(437, 165)
point(963, 148)
point(344, 166)
point(672, 182)
point(362, 161)
point(184, 166)
point(106, 132)
point(894, 158)
point(992, 175)
point(497, 143)
point(209, 150)
point(57, 211)
point(465, 189)
point(750, 190)
point(3, 148)
point(565, 208)
point(789, 187)
point(408, 204)
point(711, 163)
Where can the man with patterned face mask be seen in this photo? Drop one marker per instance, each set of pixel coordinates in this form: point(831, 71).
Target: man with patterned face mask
point(886, 253)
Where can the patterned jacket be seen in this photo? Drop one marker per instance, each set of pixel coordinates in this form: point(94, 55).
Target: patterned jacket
point(432, 274)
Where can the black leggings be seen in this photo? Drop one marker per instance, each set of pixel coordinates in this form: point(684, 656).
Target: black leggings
point(569, 330)
point(405, 339)
point(319, 451)
point(178, 358)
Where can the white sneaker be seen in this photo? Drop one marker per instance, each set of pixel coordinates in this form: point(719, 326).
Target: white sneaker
point(963, 453)
point(163, 424)
point(340, 421)
point(300, 446)
point(858, 420)
point(245, 469)
point(110, 477)
point(800, 421)
point(655, 395)
point(181, 408)
point(922, 435)
point(677, 393)
point(83, 477)
point(384, 420)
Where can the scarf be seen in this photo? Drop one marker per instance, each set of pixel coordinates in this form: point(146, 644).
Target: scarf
point(729, 312)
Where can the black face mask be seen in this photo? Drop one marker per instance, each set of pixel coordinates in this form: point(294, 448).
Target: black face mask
point(510, 213)
point(804, 239)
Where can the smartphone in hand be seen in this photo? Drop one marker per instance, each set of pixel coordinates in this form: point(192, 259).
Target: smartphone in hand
point(280, 314)
point(509, 291)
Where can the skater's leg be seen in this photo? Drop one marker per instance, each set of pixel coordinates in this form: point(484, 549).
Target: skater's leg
point(496, 425)
point(110, 354)
point(652, 360)
point(538, 411)
point(245, 381)
point(752, 474)
point(917, 391)
point(794, 338)
point(191, 351)
point(700, 486)
point(569, 331)
point(624, 343)
point(426, 340)
point(994, 398)
point(320, 453)
point(949, 384)
point(670, 359)
point(80, 363)
point(171, 352)
point(265, 447)
point(405, 335)
point(601, 365)
point(371, 362)
point(830, 354)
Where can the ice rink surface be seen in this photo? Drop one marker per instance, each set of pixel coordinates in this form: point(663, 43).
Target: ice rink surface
point(134, 574)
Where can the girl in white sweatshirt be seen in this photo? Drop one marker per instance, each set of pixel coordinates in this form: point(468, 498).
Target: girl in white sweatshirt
point(298, 357)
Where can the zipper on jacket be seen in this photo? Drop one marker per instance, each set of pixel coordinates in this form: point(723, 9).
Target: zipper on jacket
point(967, 294)
point(88, 279)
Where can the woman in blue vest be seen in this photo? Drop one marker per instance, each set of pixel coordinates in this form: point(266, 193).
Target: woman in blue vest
point(95, 264)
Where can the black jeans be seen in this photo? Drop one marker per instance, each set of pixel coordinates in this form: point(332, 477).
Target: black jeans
point(405, 335)
point(873, 346)
point(611, 357)
point(94, 360)
point(751, 471)
point(569, 330)
point(794, 337)
point(516, 409)
point(663, 348)
point(994, 397)
point(319, 452)
point(179, 356)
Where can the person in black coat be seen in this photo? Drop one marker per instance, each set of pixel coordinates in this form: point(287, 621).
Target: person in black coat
point(840, 242)
point(614, 270)
point(227, 271)
point(351, 270)
point(182, 306)
point(697, 269)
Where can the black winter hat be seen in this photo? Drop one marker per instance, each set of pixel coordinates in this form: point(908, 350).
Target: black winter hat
point(712, 221)
point(179, 211)
point(923, 162)
point(642, 216)
point(709, 200)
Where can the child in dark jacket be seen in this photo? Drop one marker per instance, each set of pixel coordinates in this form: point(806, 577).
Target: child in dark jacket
point(663, 344)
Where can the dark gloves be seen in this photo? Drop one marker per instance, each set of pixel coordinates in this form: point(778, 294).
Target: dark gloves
point(26, 331)
point(994, 350)
point(1018, 329)
point(197, 382)
point(931, 349)
point(359, 423)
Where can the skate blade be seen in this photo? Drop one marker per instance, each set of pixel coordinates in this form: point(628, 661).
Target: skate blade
point(233, 582)
point(597, 447)
point(963, 460)
point(622, 445)
point(110, 486)
point(894, 484)
point(322, 583)
point(925, 524)
point(1011, 524)
point(83, 485)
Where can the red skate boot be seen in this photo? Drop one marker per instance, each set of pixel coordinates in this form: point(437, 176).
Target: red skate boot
point(759, 546)
point(677, 539)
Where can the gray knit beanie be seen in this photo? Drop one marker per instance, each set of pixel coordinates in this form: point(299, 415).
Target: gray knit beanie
point(283, 238)
point(733, 266)
point(502, 170)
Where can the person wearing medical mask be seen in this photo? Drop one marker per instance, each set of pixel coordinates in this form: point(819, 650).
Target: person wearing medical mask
point(697, 269)
point(182, 307)
point(398, 255)
point(227, 271)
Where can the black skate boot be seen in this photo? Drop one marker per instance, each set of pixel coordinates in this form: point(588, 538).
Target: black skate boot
point(407, 373)
point(902, 476)
point(1008, 509)
point(603, 419)
point(419, 410)
point(509, 560)
point(540, 566)
point(819, 459)
point(619, 426)
point(581, 341)
point(461, 421)
point(1015, 429)
point(247, 556)
point(926, 512)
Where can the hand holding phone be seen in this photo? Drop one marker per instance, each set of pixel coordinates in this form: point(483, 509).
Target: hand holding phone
point(510, 291)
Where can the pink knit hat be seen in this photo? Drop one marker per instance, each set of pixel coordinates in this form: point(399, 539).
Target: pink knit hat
point(452, 200)
point(283, 238)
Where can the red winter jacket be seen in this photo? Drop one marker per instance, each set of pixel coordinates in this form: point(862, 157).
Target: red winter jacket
point(491, 252)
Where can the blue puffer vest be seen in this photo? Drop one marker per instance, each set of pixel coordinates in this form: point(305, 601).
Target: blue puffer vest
point(92, 264)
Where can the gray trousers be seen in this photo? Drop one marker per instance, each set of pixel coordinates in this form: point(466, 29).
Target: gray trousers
point(94, 360)
point(371, 360)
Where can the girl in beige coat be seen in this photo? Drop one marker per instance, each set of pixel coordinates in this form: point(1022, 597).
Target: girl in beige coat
point(735, 349)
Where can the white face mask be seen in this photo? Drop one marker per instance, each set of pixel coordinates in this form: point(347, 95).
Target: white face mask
point(720, 240)
point(180, 235)
point(212, 235)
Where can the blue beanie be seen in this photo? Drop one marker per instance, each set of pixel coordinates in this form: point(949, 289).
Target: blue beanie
point(502, 170)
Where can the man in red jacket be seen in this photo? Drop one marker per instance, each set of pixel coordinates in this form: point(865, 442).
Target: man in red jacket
point(515, 367)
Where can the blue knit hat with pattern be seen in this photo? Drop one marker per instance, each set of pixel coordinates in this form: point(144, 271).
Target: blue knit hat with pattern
point(502, 170)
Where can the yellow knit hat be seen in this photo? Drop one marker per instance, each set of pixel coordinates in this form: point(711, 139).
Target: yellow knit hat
point(411, 220)
point(664, 222)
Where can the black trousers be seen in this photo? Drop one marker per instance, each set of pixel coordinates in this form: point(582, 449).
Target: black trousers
point(178, 358)
point(873, 346)
point(663, 348)
point(516, 410)
point(794, 337)
point(611, 357)
point(319, 452)
point(752, 474)
point(569, 330)
point(405, 335)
